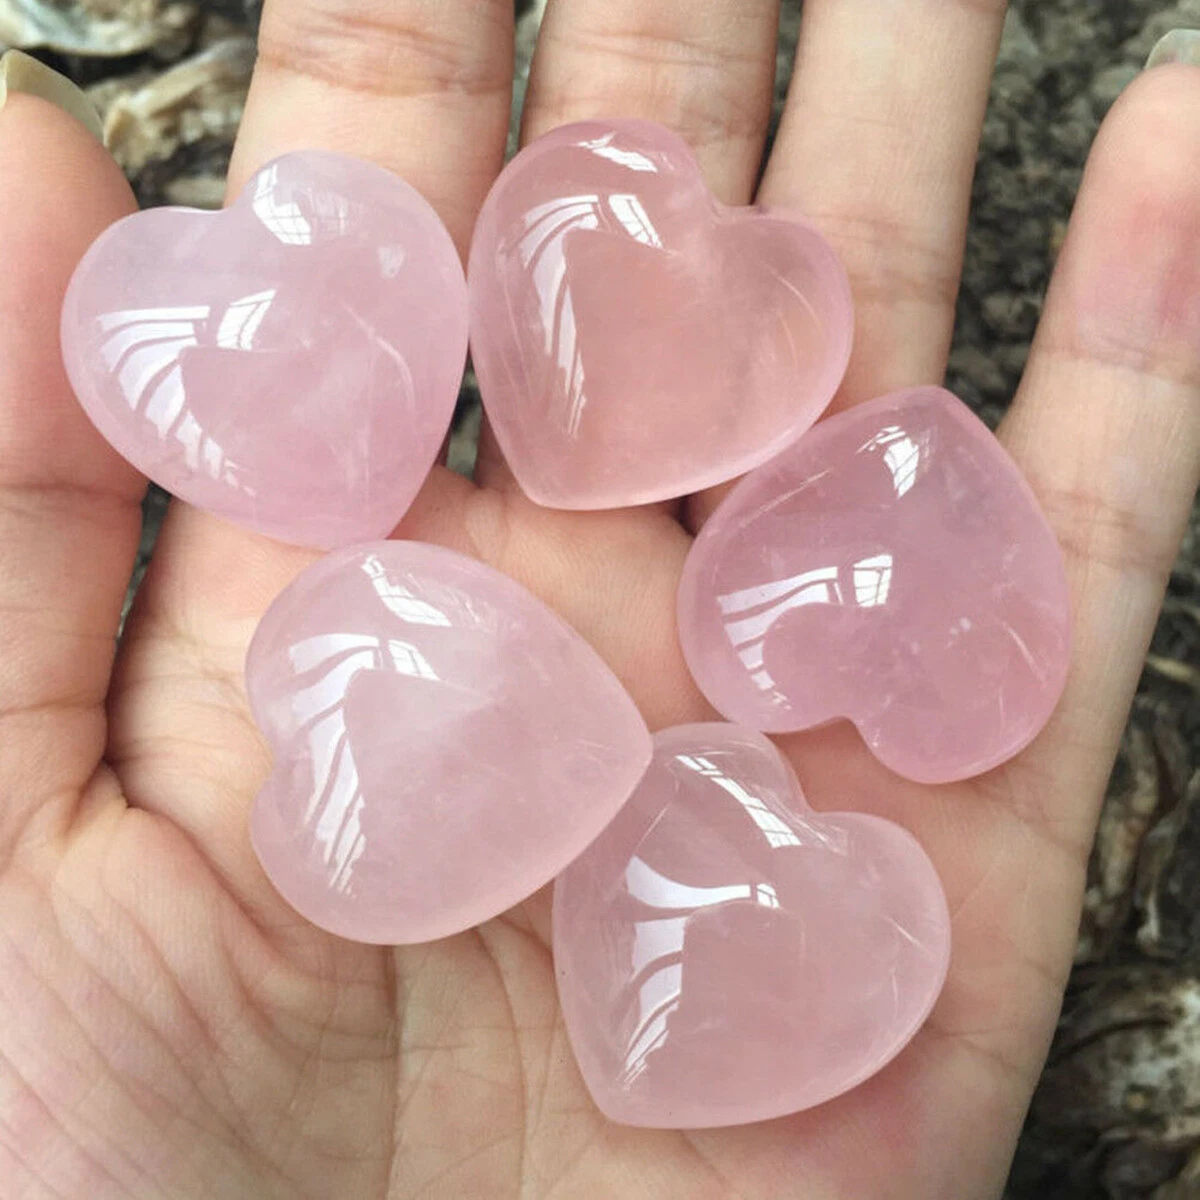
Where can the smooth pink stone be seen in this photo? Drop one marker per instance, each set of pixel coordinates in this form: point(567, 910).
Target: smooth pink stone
point(725, 954)
point(634, 339)
point(892, 568)
point(444, 744)
point(290, 363)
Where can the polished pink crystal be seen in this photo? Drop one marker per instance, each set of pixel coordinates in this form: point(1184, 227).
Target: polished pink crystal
point(634, 339)
point(725, 954)
point(290, 363)
point(892, 568)
point(444, 744)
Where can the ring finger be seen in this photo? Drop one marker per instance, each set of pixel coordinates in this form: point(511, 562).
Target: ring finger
point(877, 147)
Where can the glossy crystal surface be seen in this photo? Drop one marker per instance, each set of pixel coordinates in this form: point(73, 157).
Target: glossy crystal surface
point(725, 954)
point(290, 363)
point(444, 744)
point(634, 339)
point(892, 568)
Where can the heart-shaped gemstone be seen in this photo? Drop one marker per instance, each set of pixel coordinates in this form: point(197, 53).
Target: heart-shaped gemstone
point(634, 339)
point(290, 363)
point(444, 744)
point(725, 954)
point(892, 568)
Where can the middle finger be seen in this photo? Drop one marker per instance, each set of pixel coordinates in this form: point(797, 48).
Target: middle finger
point(704, 70)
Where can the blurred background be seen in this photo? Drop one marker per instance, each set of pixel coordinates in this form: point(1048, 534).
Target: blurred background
point(1117, 1116)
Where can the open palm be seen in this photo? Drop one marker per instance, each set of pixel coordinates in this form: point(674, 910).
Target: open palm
point(168, 1028)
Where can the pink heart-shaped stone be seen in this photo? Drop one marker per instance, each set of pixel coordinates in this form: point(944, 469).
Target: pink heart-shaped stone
point(444, 744)
point(725, 954)
point(634, 339)
point(892, 568)
point(290, 363)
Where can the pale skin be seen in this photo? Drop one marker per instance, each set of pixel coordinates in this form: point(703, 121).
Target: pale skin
point(168, 1027)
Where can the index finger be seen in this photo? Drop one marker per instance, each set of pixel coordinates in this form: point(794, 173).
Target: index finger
point(422, 87)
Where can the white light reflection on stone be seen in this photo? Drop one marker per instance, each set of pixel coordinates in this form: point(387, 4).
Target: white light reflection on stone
point(901, 456)
point(399, 600)
point(318, 711)
point(543, 254)
point(751, 612)
point(603, 147)
point(143, 348)
point(658, 943)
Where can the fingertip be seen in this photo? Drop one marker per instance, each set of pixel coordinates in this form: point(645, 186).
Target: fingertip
point(1129, 277)
point(1160, 108)
point(54, 168)
point(59, 189)
point(1176, 46)
point(51, 141)
point(21, 73)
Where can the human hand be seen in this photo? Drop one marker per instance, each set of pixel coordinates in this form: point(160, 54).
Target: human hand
point(168, 1027)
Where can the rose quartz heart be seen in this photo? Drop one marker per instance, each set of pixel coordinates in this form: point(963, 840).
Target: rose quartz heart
point(444, 744)
point(290, 363)
point(892, 568)
point(634, 339)
point(725, 954)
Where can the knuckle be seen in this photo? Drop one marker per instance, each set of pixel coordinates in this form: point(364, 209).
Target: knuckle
point(888, 263)
point(394, 49)
point(1097, 530)
point(709, 93)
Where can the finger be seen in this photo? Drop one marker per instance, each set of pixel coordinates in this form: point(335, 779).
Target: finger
point(877, 146)
point(1107, 428)
point(69, 507)
point(704, 70)
point(422, 87)
point(1106, 425)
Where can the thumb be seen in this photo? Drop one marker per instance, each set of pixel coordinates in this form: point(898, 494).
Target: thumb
point(69, 506)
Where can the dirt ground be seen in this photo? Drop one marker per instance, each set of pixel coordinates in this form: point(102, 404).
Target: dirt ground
point(1117, 1115)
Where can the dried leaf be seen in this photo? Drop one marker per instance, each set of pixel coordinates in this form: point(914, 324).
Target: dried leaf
point(1174, 670)
point(1124, 821)
point(1166, 879)
point(149, 118)
point(1186, 1186)
point(100, 28)
point(1127, 1059)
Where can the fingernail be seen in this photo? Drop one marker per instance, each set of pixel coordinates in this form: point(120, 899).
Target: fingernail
point(20, 72)
point(1178, 46)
